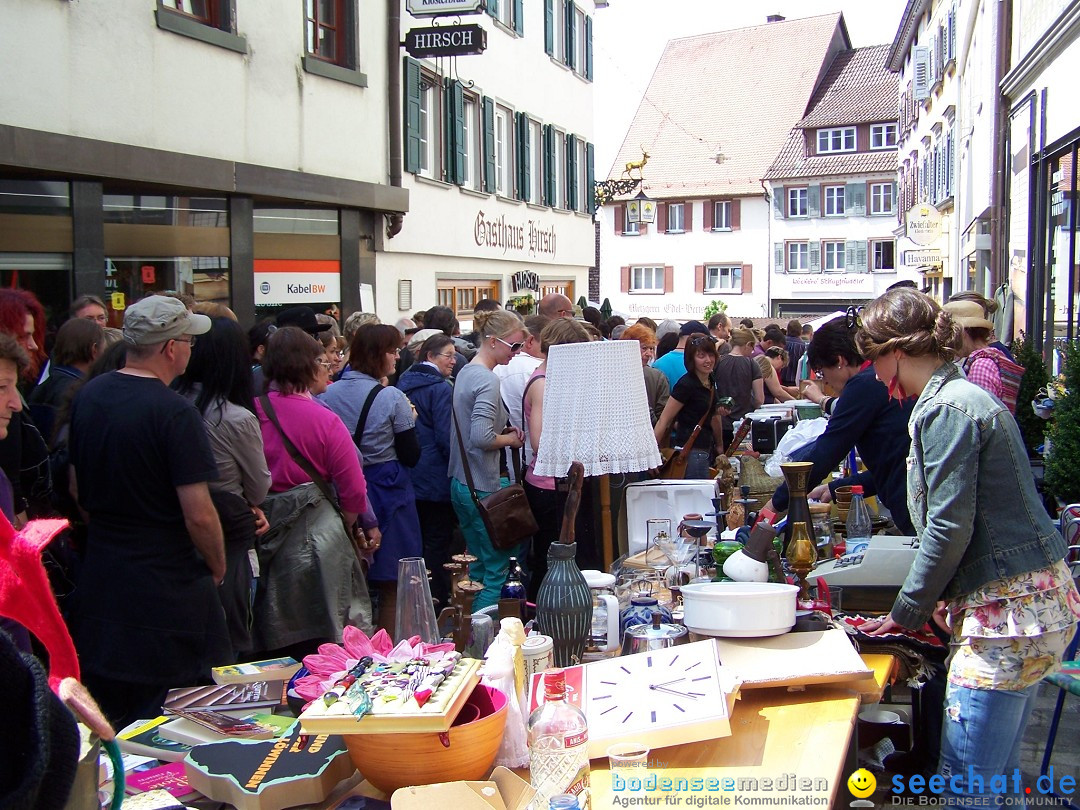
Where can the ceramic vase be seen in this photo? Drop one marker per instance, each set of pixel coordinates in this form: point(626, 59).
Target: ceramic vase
point(564, 605)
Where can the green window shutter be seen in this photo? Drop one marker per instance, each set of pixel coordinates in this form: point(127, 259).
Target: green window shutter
point(778, 257)
point(588, 48)
point(571, 173)
point(590, 180)
point(412, 115)
point(815, 257)
point(549, 27)
point(519, 18)
point(492, 7)
point(524, 156)
point(855, 199)
point(489, 144)
point(779, 202)
point(571, 20)
point(813, 201)
point(851, 249)
point(550, 170)
point(455, 125)
point(860, 260)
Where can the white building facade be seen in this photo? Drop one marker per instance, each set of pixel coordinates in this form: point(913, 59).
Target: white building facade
point(498, 164)
point(147, 146)
point(924, 55)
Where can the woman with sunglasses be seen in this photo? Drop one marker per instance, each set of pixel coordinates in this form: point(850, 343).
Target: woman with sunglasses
point(382, 424)
point(482, 418)
point(427, 385)
point(693, 397)
point(987, 546)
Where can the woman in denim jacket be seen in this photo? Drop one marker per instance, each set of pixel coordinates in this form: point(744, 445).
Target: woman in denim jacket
point(987, 547)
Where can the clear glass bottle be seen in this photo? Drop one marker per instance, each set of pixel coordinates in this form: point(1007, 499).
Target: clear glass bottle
point(859, 526)
point(558, 746)
point(564, 801)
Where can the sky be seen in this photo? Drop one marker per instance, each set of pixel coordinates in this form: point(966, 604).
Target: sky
point(630, 35)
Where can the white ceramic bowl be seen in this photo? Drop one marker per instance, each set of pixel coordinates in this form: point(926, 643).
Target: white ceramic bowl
point(739, 609)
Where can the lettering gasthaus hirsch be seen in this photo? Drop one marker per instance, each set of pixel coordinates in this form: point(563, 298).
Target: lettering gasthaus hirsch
point(498, 233)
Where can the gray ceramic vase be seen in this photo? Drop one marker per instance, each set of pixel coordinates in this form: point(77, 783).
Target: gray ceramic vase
point(564, 605)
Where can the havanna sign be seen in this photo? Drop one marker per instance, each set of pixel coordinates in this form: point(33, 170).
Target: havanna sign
point(446, 40)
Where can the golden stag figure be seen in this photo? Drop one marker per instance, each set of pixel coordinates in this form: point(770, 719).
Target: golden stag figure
point(636, 164)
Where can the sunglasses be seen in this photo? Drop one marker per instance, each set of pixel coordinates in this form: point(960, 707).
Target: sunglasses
point(701, 340)
point(853, 317)
point(513, 347)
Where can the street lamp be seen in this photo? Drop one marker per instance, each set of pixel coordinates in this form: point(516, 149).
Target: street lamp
point(641, 210)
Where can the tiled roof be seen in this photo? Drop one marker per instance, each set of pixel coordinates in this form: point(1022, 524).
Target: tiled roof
point(858, 89)
point(740, 91)
point(793, 163)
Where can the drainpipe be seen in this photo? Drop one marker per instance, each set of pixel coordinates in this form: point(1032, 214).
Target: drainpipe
point(393, 86)
point(769, 248)
point(998, 145)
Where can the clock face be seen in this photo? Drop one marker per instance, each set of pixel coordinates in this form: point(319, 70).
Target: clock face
point(676, 693)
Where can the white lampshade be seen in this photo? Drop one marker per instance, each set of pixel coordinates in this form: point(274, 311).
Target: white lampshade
point(596, 410)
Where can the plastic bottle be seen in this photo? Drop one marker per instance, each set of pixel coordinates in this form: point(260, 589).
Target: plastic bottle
point(558, 746)
point(564, 801)
point(514, 587)
point(858, 523)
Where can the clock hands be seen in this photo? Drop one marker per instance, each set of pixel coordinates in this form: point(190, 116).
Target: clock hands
point(666, 683)
point(690, 695)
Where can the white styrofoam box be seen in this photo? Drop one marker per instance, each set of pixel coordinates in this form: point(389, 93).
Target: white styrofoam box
point(664, 498)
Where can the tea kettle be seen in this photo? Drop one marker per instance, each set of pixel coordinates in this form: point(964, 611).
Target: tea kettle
point(604, 629)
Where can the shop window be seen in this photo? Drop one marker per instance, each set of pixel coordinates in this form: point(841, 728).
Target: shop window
point(461, 295)
point(160, 209)
point(35, 197)
point(205, 278)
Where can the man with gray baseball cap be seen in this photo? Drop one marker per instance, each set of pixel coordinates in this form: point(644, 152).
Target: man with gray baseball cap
point(146, 613)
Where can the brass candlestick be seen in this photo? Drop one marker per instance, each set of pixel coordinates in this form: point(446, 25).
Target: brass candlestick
point(802, 558)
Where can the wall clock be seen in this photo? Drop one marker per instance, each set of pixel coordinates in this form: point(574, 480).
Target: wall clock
point(664, 697)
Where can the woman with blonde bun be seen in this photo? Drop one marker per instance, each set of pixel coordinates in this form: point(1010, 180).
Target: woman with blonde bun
point(989, 567)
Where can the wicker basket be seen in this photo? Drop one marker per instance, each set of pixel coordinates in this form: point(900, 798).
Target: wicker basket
point(762, 486)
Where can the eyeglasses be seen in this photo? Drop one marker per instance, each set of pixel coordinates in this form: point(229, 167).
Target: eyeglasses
point(513, 347)
point(324, 364)
point(395, 352)
point(190, 342)
point(446, 356)
point(853, 317)
point(564, 312)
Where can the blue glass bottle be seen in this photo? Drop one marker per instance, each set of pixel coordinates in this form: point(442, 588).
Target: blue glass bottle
point(514, 587)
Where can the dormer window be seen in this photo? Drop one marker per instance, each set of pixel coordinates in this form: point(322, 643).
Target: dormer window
point(883, 136)
point(839, 139)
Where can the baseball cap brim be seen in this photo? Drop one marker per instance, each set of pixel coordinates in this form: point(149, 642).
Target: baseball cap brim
point(198, 324)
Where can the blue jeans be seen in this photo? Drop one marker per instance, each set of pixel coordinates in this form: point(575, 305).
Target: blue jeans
point(980, 740)
point(491, 564)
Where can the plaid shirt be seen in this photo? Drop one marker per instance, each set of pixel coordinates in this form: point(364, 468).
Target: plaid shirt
point(983, 371)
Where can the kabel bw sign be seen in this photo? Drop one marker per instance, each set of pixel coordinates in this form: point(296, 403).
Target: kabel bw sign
point(446, 40)
point(437, 8)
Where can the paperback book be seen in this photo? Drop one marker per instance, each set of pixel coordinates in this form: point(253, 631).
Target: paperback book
point(214, 698)
point(272, 669)
point(171, 777)
point(144, 737)
point(198, 727)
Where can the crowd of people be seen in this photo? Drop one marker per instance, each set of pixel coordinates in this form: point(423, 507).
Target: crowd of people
point(236, 493)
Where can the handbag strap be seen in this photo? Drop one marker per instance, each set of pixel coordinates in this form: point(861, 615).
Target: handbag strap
point(358, 434)
point(464, 457)
point(688, 445)
point(301, 461)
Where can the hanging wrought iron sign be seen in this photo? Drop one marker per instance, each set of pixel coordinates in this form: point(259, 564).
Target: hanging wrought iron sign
point(446, 40)
point(436, 8)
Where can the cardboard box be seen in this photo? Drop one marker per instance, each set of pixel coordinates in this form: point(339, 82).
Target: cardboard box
point(504, 790)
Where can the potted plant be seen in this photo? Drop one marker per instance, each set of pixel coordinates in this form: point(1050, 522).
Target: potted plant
point(1062, 469)
point(524, 304)
point(1032, 426)
point(714, 306)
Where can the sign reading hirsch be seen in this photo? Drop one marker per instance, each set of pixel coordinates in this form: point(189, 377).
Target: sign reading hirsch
point(436, 8)
point(527, 237)
point(447, 40)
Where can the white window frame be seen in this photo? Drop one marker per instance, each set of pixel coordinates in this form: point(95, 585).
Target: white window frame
point(428, 115)
point(504, 151)
point(506, 13)
point(880, 193)
point(579, 41)
point(560, 31)
point(644, 279)
point(883, 136)
point(629, 228)
point(836, 139)
point(536, 167)
point(676, 213)
point(723, 278)
point(721, 215)
point(798, 202)
point(874, 245)
point(471, 143)
point(834, 202)
point(798, 257)
point(833, 256)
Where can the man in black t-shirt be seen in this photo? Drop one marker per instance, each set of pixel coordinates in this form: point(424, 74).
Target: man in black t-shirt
point(146, 615)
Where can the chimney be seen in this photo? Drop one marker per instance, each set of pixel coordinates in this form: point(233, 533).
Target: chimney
point(774, 18)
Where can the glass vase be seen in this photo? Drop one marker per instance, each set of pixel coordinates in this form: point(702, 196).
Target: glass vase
point(415, 615)
point(797, 476)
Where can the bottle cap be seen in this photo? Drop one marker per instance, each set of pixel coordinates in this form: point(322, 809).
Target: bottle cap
point(856, 489)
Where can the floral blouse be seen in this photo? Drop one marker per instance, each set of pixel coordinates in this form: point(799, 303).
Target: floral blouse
point(1011, 633)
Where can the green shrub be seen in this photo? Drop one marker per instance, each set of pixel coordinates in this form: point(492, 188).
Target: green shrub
point(1032, 426)
point(1063, 462)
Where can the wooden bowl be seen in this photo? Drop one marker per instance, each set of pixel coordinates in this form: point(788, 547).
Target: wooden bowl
point(465, 752)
